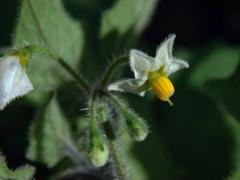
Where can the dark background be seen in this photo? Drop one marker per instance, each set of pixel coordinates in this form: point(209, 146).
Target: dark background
point(189, 141)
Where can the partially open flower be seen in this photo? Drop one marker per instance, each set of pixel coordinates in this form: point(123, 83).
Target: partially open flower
point(14, 81)
point(152, 73)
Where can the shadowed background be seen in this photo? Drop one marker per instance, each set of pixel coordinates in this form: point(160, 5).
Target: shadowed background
point(198, 138)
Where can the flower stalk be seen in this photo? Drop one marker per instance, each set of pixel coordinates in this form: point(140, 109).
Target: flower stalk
point(76, 76)
point(111, 138)
point(121, 172)
point(111, 69)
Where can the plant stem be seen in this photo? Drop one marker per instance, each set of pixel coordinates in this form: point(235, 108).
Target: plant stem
point(75, 75)
point(62, 63)
point(114, 100)
point(120, 170)
point(111, 68)
point(111, 140)
point(118, 164)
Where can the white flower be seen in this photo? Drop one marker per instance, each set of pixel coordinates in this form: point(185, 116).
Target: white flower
point(152, 72)
point(14, 81)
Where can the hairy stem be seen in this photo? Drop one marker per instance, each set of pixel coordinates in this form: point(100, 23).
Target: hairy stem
point(111, 140)
point(75, 75)
point(35, 48)
point(114, 100)
point(111, 68)
point(119, 166)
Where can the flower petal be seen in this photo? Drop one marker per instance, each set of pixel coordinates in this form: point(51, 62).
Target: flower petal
point(176, 65)
point(22, 87)
point(140, 63)
point(13, 80)
point(129, 85)
point(164, 52)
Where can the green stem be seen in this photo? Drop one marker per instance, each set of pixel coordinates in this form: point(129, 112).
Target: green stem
point(116, 159)
point(93, 113)
point(34, 48)
point(111, 140)
point(114, 100)
point(75, 75)
point(111, 68)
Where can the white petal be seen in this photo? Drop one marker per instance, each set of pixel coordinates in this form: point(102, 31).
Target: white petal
point(164, 51)
point(176, 65)
point(23, 86)
point(13, 80)
point(129, 85)
point(8, 70)
point(140, 63)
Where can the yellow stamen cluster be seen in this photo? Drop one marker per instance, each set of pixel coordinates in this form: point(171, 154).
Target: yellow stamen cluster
point(161, 86)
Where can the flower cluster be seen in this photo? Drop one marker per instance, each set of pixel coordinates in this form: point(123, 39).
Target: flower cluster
point(149, 72)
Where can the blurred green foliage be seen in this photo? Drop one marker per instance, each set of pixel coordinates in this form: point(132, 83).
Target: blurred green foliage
point(48, 134)
point(198, 138)
point(22, 173)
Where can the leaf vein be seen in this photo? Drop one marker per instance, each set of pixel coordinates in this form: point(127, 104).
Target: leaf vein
point(38, 23)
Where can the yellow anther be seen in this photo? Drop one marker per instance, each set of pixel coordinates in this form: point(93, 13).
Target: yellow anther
point(162, 86)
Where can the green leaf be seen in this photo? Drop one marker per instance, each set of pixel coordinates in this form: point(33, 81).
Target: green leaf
point(123, 22)
point(221, 63)
point(22, 173)
point(49, 134)
point(44, 22)
point(127, 14)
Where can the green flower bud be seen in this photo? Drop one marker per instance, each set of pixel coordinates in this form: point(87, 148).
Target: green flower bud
point(137, 128)
point(99, 154)
point(98, 149)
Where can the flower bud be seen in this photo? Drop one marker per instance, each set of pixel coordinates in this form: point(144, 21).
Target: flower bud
point(137, 128)
point(98, 149)
point(99, 154)
point(14, 81)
